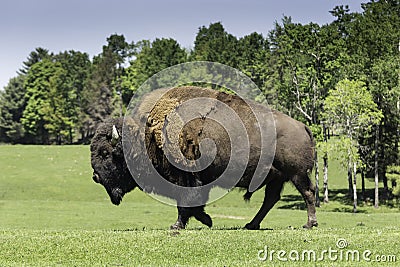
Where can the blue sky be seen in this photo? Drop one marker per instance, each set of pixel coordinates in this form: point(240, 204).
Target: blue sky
point(60, 25)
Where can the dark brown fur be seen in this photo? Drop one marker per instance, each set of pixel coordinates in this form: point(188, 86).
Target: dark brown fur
point(293, 160)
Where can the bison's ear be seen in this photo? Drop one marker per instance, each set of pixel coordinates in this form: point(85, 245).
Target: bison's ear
point(115, 136)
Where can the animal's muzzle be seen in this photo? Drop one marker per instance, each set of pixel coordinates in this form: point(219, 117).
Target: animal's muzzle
point(96, 177)
point(116, 195)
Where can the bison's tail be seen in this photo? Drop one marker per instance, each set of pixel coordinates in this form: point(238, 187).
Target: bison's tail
point(313, 146)
point(310, 134)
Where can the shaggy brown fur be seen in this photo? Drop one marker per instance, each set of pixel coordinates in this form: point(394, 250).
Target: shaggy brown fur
point(293, 159)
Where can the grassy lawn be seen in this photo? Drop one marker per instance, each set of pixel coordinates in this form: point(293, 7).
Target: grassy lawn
point(53, 214)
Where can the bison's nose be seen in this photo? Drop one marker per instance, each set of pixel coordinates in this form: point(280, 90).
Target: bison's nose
point(96, 177)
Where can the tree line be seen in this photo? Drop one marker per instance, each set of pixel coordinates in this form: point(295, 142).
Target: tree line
point(341, 78)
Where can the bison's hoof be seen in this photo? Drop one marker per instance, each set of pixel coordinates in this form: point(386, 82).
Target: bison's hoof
point(204, 218)
point(310, 225)
point(177, 226)
point(250, 226)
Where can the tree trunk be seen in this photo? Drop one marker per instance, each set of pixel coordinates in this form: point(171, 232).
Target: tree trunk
point(70, 136)
point(398, 129)
point(326, 197)
point(382, 163)
point(385, 184)
point(363, 185)
point(325, 158)
point(350, 178)
point(317, 200)
point(354, 187)
point(376, 200)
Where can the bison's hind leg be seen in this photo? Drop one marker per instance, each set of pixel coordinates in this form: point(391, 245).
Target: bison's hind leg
point(307, 190)
point(272, 195)
point(247, 196)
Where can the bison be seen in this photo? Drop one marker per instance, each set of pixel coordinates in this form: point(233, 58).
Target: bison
point(292, 159)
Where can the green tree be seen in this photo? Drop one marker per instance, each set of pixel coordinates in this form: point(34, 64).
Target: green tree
point(373, 42)
point(77, 67)
point(303, 69)
point(13, 101)
point(12, 104)
point(59, 111)
point(371, 48)
point(214, 44)
point(151, 58)
point(301, 54)
point(53, 97)
point(253, 60)
point(34, 57)
point(349, 108)
point(102, 92)
point(97, 99)
point(41, 82)
point(385, 86)
point(121, 50)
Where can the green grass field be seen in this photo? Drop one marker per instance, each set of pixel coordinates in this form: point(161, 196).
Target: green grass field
point(53, 214)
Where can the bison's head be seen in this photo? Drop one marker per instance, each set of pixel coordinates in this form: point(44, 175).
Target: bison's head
point(108, 163)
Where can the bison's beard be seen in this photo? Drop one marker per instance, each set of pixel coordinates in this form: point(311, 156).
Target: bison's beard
point(116, 195)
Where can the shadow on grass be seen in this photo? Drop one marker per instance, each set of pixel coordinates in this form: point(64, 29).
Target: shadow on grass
point(341, 197)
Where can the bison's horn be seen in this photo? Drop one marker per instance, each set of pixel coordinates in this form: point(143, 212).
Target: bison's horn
point(115, 136)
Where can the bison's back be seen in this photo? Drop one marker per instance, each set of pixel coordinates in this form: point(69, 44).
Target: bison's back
point(294, 144)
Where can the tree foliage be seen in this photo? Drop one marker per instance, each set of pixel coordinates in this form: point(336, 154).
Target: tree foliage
point(215, 44)
point(350, 107)
point(151, 58)
point(12, 105)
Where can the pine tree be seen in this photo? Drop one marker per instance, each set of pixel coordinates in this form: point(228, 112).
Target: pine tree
point(12, 105)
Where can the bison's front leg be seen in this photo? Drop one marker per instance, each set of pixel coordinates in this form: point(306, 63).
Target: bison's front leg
point(185, 213)
point(183, 218)
point(202, 216)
